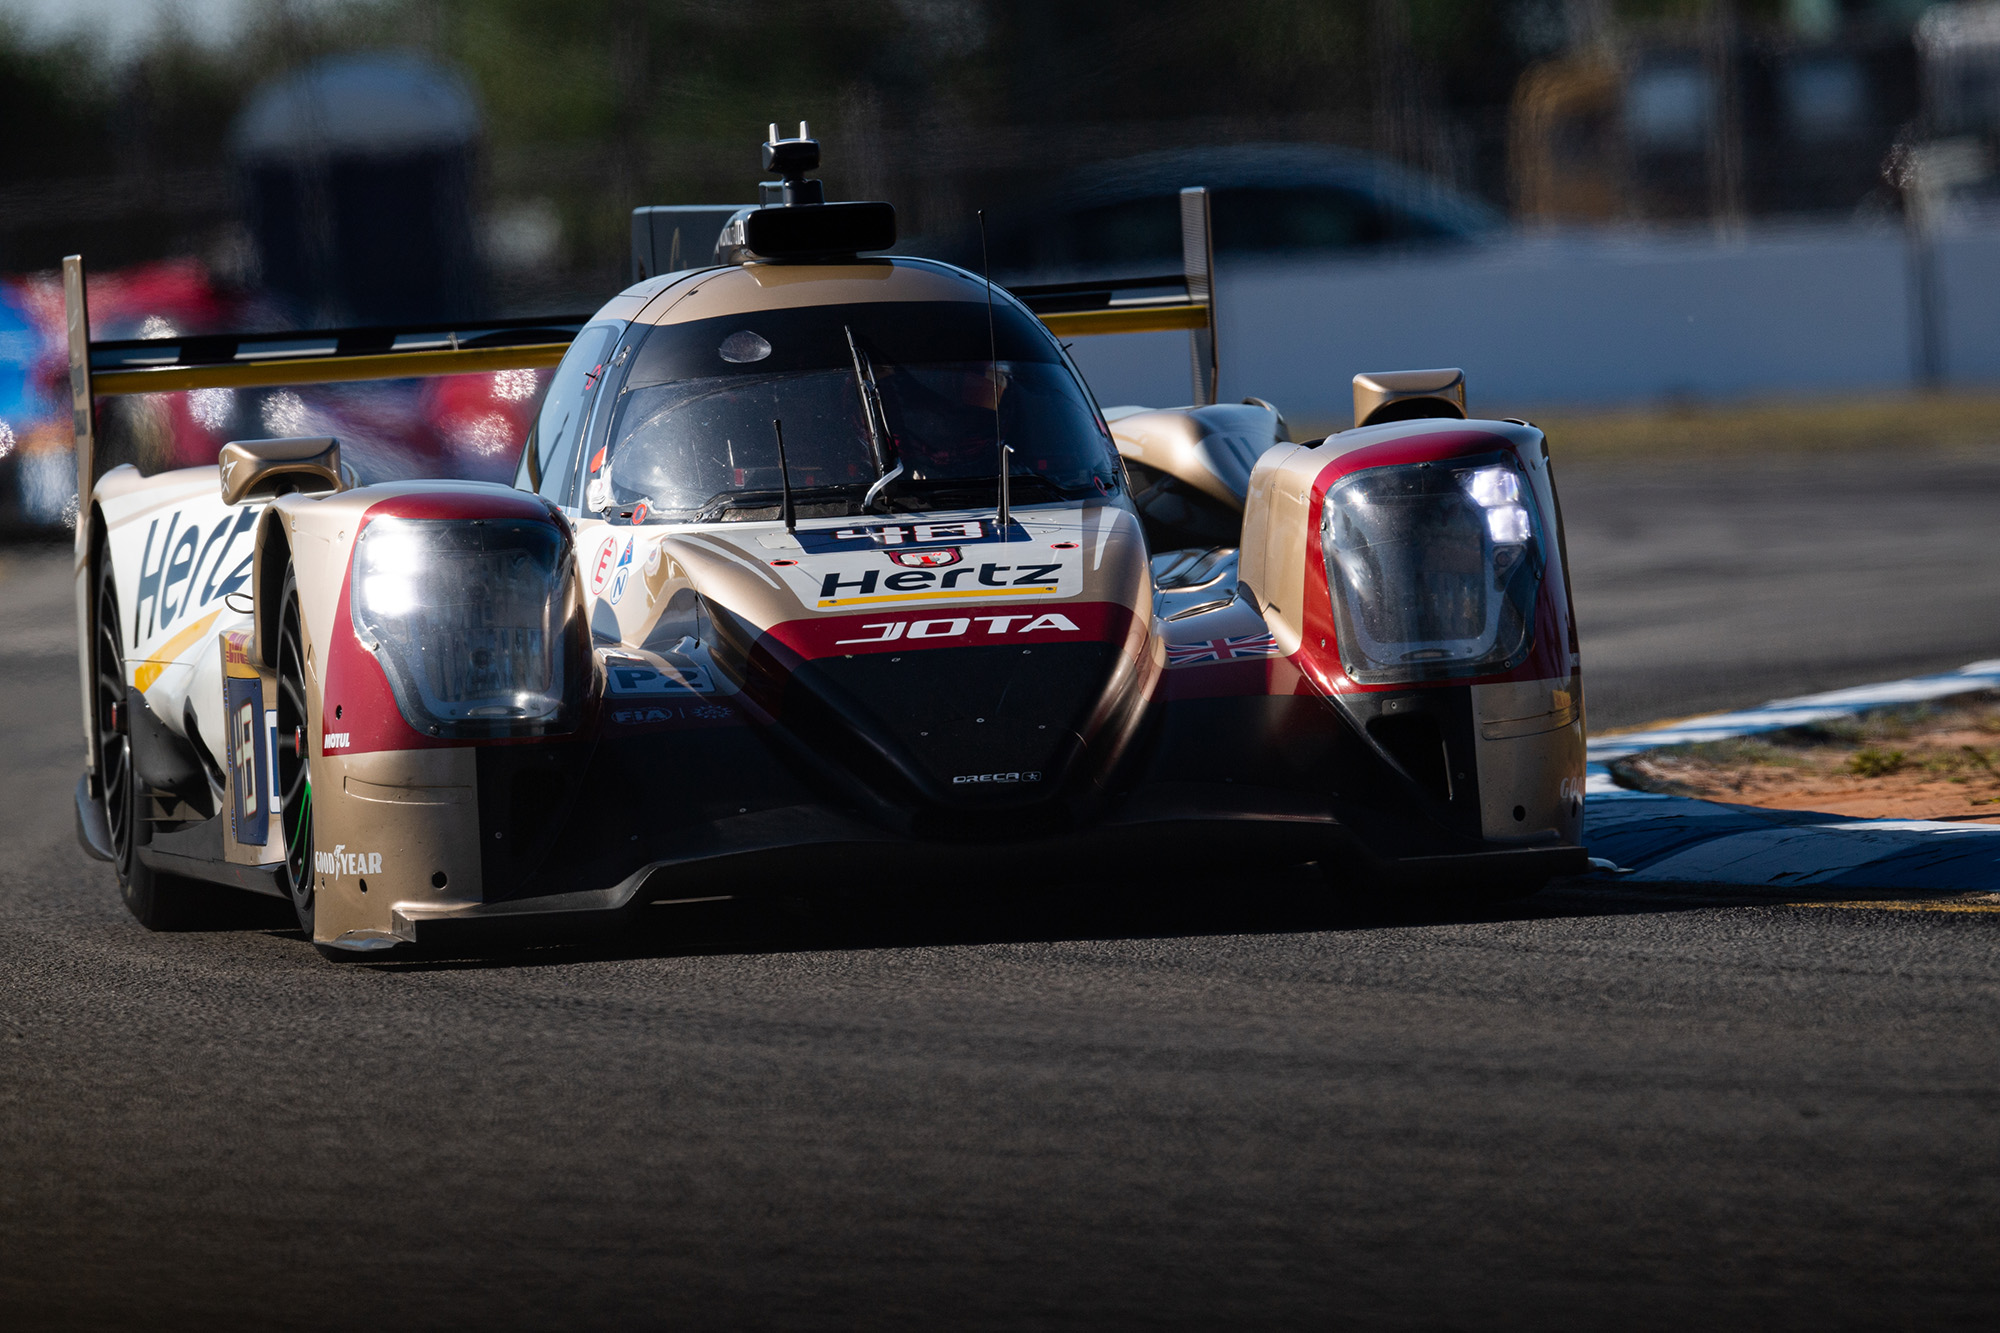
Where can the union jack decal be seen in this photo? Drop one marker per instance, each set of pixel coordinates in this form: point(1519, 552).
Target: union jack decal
point(1222, 650)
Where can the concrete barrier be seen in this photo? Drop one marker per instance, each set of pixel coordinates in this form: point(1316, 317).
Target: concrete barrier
point(1582, 319)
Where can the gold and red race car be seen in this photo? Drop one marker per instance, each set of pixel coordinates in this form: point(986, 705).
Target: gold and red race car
point(822, 567)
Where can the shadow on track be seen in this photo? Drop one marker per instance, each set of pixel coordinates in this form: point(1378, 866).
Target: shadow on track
point(1294, 902)
point(986, 912)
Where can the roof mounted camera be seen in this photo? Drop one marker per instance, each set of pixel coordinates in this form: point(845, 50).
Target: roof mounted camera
point(794, 222)
point(791, 159)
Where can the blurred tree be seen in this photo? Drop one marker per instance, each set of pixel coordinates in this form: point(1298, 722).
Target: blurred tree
point(592, 106)
point(52, 98)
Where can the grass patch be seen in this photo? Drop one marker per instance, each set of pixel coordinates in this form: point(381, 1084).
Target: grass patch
point(1874, 763)
point(1926, 760)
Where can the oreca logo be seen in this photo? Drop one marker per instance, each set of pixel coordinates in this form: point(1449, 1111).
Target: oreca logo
point(340, 862)
point(964, 779)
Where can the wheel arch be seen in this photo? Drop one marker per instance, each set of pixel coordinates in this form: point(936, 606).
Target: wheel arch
point(97, 549)
point(267, 583)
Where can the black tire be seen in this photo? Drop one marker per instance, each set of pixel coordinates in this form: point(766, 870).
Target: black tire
point(295, 758)
point(157, 901)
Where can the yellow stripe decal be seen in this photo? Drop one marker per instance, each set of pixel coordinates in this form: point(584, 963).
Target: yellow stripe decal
point(476, 360)
point(326, 369)
point(932, 596)
point(151, 667)
point(1127, 319)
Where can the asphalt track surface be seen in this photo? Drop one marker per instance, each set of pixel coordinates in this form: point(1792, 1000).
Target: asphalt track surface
point(1109, 1106)
point(1721, 582)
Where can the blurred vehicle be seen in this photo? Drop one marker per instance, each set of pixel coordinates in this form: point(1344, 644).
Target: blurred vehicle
point(37, 475)
point(356, 177)
point(467, 426)
point(1122, 219)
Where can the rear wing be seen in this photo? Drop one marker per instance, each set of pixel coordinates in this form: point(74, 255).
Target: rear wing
point(1166, 303)
point(109, 368)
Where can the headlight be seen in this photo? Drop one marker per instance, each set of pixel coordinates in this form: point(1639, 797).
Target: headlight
point(466, 618)
point(1433, 569)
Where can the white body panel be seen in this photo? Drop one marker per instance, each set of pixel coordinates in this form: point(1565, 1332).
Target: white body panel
point(180, 558)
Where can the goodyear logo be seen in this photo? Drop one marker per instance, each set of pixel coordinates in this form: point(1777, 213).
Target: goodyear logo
point(340, 861)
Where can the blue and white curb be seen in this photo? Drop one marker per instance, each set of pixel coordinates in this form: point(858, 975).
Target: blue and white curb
point(1682, 840)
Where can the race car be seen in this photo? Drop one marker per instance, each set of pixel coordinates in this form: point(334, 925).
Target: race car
point(822, 567)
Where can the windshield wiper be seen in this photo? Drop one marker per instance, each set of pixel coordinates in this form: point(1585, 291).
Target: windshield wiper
point(878, 420)
point(714, 509)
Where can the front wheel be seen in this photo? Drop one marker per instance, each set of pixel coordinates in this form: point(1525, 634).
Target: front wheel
point(294, 747)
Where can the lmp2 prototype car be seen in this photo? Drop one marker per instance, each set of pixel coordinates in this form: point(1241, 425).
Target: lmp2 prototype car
point(822, 567)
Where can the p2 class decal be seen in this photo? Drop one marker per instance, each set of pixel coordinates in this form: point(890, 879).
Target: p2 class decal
point(249, 811)
point(605, 563)
point(627, 678)
point(936, 558)
point(889, 536)
point(898, 631)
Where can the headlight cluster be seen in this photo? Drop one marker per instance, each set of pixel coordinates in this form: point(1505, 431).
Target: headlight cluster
point(466, 618)
point(1433, 568)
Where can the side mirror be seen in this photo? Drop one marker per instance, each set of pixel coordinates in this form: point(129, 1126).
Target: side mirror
point(1383, 396)
point(254, 469)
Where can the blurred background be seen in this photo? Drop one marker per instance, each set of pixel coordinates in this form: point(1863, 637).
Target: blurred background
point(1611, 212)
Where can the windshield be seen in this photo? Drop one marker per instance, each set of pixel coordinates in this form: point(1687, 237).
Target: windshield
point(870, 403)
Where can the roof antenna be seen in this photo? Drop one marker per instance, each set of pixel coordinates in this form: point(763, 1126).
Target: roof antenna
point(785, 510)
point(993, 374)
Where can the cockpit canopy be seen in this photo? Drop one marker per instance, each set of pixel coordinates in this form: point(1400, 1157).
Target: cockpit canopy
point(902, 390)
